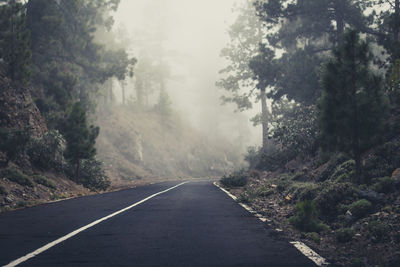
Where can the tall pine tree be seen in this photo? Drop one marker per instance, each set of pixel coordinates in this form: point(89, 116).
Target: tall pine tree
point(352, 106)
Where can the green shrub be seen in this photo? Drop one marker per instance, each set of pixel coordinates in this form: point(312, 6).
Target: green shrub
point(332, 165)
point(314, 237)
point(303, 190)
point(14, 141)
point(378, 230)
point(3, 190)
point(40, 179)
point(47, 152)
point(383, 185)
point(264, 191)
point(331, 195)
point(344, 235)
point(360, 208)
point(306, 218)
point(283, 182)
point(17, 176)
point(236, 179)
point(92, 175)
point(345, 172)
point(382, 162)
point(247, 196)
point(21, 204)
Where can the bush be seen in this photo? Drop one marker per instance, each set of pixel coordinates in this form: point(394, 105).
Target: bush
point(313, 236)
point(332, 195)
point(3, 190)
point(236, 179)
point(360, 208)
point(378, 230)
point(47, 152)
point(92, 175)
point(17, 176)
point(247, 196)
point(303, 191)
point(306, 218)
point(14, 141)
point(344, 235)
point(383, 161)
point(383, 185)
point(40, 179)
point(283, 182)
point(264, 191)
point(345, 172)
point(332, 165)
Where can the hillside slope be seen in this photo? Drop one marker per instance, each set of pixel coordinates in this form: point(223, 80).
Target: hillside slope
point(143, 145)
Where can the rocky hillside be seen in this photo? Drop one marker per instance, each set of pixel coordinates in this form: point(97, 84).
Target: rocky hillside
point(143, 145)
point(21, 183)
point(317, 202)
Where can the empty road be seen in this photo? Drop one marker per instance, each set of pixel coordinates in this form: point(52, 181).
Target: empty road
point(193, 224)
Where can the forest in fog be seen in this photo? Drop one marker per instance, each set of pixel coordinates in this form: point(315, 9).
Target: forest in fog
point(291, 102)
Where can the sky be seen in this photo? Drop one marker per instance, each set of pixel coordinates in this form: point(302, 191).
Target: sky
point(193, 33)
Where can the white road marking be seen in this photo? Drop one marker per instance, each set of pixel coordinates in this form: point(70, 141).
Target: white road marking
point(311, 254)
point(229, 194)
point(303, 248)
point(63, 238)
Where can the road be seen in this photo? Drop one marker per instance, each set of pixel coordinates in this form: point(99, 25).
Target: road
point(194, 224)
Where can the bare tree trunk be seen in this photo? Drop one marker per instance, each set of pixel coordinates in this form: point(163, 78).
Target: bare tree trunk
point(396, 36)
point(339, 22)
point(264, 117)
point(123, 92)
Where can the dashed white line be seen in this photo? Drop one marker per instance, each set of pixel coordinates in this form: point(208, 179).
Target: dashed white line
point(311, 254)
point(77, 231)
point(303, 248)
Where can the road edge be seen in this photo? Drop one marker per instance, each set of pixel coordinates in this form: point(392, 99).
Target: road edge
point(303, 248)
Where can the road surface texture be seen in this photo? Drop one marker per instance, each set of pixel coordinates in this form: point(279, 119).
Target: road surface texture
point(195, 224)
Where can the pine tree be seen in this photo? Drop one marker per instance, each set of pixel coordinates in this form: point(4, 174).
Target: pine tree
point(352, 106)
point(15, 40)
point(80, 137)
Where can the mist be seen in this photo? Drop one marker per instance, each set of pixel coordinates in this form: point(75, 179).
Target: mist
point(191, 35)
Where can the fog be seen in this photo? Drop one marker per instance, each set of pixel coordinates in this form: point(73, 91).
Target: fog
point(189, 36)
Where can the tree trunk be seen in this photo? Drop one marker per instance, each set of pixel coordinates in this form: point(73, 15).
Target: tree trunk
point(339, 21)
point(264, 117)
point(396, 36)
point(356, 134)
point(123, 92)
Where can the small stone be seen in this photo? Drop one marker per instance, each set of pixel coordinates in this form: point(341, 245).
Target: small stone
point(8, 199)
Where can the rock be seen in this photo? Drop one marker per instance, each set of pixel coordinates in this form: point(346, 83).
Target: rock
point(348, 216)
point(8, 199)
point(372, 196)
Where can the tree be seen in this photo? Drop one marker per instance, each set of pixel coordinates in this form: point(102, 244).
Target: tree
point(15, 40)
point(304, 31)
point(68, 64)
point(388, 32)
point(239, 82)
point(352, 106)
point(80, 137)
point(294, 126)
point(263, 65)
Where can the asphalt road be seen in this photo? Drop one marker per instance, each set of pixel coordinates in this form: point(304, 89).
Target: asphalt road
point(195, 224)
